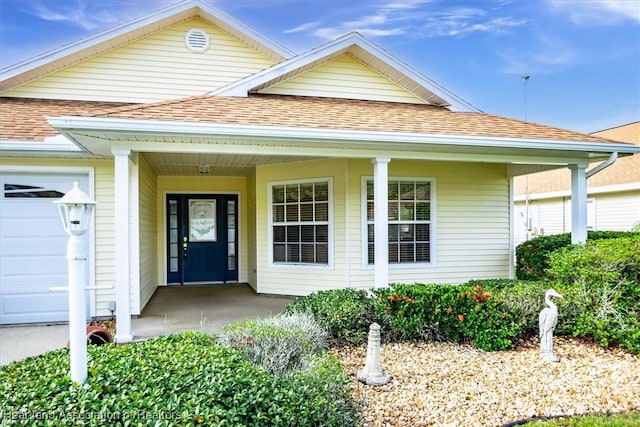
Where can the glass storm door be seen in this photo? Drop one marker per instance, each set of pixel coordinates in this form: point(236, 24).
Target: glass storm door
point(202, 238)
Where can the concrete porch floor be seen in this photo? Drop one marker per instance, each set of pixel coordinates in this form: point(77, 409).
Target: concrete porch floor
point(172, 309)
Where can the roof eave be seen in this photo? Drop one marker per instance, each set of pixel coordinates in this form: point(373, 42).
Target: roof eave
point(583, 151)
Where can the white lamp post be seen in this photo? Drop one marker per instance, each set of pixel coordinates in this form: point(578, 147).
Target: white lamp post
point(76, 209)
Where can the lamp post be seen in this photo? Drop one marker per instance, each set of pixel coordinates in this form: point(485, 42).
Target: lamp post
point(76, 210)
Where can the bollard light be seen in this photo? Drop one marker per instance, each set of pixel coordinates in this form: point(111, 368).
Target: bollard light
point(76, 210)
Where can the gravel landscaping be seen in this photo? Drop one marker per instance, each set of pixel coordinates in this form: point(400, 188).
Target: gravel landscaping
point(444, 384)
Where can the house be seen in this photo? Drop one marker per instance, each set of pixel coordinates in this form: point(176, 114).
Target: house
point(543, 200)
point(216, 156)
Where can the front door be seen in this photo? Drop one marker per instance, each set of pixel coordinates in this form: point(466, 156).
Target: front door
point(202, 238)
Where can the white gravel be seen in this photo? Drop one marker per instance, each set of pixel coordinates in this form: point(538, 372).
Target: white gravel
point(443, 384)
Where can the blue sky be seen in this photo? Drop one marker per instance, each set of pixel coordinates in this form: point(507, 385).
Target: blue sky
point(582, 56)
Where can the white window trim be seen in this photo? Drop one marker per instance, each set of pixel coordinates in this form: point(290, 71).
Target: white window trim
point(432, 233)
point(330, 250)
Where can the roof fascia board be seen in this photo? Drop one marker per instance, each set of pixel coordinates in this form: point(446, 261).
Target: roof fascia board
point(71, 123)
point(57, 143)
point(278, 148)
point(85, 43)
point(244, 86)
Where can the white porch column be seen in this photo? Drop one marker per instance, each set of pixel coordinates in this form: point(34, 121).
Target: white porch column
point(122, 231)
point(380, 220)
point(578, 203)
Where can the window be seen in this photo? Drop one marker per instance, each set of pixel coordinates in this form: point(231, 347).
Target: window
point(300, 222)
point(409, 221)
point(29, 192)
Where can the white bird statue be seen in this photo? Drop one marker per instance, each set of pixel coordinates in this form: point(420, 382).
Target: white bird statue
point(547, 321)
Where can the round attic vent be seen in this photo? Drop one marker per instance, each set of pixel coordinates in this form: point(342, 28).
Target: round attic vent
point(196, 40)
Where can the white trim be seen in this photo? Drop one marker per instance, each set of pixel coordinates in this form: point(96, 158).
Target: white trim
point(53, 143)
point(122, 245)
point(134, 233)
point(338, 136)
point(330, 222)
point(91, 178)
point(432, 229)
point(578, 203)
point(512, 230)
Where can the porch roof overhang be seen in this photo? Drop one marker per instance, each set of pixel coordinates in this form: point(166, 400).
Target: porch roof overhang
point(99, 135)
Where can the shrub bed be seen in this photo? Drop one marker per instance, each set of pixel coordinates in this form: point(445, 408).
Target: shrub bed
point(184, 379)
point(601, 283)
point(532, 256)
point(468, 313)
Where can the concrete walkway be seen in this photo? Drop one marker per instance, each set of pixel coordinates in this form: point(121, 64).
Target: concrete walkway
point(205, 308)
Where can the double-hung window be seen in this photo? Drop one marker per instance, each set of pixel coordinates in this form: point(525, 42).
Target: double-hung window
point(300, 222)
point(409, 220)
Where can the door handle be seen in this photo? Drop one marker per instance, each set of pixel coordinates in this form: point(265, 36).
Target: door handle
point(185, 246)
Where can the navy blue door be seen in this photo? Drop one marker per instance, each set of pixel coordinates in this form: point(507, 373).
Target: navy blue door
point(202, 238)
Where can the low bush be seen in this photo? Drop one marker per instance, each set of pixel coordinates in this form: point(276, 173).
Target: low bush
point(410, 312)
point(280, 344)
point(345, 313)
point(601, 282)
point(532, 256)
point(184, 379)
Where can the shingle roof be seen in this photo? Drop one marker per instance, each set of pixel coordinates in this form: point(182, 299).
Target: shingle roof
point(623, 171)
point(343, 114)
point(25, 119)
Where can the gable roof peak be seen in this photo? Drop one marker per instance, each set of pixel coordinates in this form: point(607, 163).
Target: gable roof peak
point(137, 28)
point(367, 52)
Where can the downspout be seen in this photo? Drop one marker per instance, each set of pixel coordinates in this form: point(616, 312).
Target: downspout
point(602, 166)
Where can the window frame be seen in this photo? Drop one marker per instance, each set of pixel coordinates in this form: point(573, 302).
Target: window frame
point(329, 223)
point(432, 223)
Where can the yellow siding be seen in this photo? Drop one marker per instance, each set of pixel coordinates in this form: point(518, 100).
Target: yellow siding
point(471, 225)
point(344, 77)
point(251, 230)
point(104, 225)
point(203, 184)
point(148, 202)
point(471, 222)
point(156, 68)
point(300, 280)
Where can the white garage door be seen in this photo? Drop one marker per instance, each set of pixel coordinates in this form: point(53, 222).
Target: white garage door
point(33, 247)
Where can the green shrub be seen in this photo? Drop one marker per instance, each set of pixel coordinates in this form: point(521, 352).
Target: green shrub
point(345, 313)
point(532, 256)
point(410, 312)
point(184, 379)
point(522, 299)
point(280, 344)
point(601, 283)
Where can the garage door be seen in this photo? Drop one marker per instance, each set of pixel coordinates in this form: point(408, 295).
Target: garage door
point(33, 247)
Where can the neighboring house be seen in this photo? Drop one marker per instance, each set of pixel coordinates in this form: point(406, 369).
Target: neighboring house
point(216, 155)
point(543, 200)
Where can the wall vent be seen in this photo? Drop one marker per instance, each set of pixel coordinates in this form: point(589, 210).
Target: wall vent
point(197, 40)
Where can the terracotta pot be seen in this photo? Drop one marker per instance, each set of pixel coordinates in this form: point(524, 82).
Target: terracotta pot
point(98, 335)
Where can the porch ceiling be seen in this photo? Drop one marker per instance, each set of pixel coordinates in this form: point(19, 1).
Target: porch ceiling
point(188, 164)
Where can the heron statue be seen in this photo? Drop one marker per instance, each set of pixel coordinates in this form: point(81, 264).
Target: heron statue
point(547, 321)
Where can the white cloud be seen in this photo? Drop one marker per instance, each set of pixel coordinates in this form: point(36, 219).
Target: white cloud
point(91, 15)
point(598, 12)
point(304, 27)
point(421, 19)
